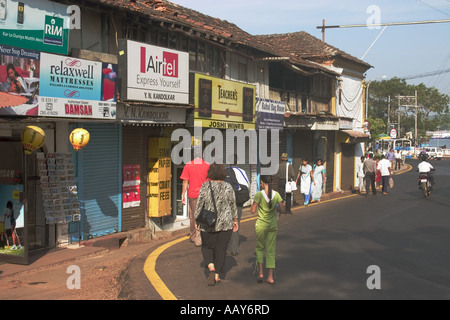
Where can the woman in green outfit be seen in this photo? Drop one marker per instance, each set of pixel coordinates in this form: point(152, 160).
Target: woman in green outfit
point(266, 226)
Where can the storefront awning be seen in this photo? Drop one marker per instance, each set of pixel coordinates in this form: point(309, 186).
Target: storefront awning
point(353, 136)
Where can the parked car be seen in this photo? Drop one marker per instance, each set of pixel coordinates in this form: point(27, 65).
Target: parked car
point(433, 153)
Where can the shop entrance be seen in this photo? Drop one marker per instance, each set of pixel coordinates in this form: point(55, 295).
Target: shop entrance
point(12, 184)
point(179, 211)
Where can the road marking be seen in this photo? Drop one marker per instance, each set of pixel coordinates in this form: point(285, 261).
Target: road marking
point(150, 270)
point(150, 262)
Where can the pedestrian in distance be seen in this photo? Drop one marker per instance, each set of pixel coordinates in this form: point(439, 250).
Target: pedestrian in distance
point(266, 227)
point(385, 170)
point(378, 174)
point(360, 175)
point(319, 179)
point(285, 173)
point(398, 160)
point(306, 177)
point(404, 153)
point(194, 175)
point(239, 182)
point(370, 168)
point(215, 239)
point(391, 157)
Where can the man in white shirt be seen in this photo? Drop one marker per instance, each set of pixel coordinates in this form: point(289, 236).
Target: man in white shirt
point(361, 180)
point(426, 167)
point(403, 154)
point(385, 169)
point(398, 160)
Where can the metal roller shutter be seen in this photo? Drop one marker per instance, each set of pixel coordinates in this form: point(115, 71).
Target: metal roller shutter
point(99, 177)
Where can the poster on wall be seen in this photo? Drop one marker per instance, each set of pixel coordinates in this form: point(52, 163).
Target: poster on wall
point(35, 24)
point(19, 81)
point(12, 220)
point(159, 177)
point(58, 186)
point(131, 192)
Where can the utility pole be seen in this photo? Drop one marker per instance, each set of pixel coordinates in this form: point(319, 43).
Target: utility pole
point(415, 124)
point(406, 101)
point(389, 114)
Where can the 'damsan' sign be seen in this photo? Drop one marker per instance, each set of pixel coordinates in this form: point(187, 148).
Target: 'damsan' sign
point(77, 88)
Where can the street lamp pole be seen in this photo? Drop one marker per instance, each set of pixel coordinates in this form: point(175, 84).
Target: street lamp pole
point(367, 94)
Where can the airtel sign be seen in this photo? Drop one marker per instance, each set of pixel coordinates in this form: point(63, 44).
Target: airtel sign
point(156, 74)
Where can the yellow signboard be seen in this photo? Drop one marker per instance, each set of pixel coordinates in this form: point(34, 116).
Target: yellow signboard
point(224, 104)
point(159, 177)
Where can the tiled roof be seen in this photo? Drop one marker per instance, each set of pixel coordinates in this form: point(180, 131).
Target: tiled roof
point(170, 12)
point(213, 27)
point(303, 45)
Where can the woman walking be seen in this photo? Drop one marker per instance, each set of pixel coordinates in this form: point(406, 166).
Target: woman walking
point(306, 176)
point(265, 202)
point(215, 239)
point(9, 213)
point(319, 181)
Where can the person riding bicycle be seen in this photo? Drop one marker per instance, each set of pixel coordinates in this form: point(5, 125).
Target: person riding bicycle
point(425, 167)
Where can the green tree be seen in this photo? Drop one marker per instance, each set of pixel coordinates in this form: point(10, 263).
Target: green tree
point(383, 105)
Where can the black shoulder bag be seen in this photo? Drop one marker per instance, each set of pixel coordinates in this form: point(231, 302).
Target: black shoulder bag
point(206, 217)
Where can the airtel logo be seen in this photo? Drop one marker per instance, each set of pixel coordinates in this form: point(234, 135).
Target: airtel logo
point(167, 65)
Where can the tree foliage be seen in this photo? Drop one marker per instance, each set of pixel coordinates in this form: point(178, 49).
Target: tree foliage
point(384, 108)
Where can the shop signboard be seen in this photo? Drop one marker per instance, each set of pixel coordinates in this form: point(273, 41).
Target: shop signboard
point(35, 24)
point(147, 114)
point(154, 74)
point(35, 83)
point(223, 104)
point(269, 114)
point(77, 88)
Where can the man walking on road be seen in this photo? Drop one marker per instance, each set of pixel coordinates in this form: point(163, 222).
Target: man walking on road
point(385, 169)
point(193, 175)
point(370, 168)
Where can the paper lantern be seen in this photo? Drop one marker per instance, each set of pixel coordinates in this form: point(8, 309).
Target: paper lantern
point(32, 138)
point(79, 137)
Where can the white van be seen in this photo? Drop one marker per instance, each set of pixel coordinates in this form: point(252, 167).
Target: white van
point(434, 153)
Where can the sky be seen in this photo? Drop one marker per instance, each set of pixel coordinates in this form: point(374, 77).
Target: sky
point(396, 51)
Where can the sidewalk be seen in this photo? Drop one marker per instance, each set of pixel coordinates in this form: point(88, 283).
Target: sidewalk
point(43, 259)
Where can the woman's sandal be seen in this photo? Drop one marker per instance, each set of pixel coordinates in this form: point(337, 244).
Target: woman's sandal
point(260, 279)
point(211, 278)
